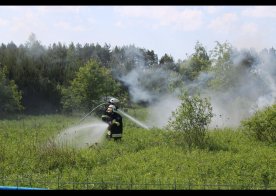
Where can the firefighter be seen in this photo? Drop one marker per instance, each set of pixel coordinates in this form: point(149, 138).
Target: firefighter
point(115, 123)
point(114, 102)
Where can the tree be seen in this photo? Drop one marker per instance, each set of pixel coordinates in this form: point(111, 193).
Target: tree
point(166, 59)
point(150, 57)
point(222, 66)
point(198, 62)
point(92, 82)
point(167, 62)
point(230, 67)
point(10, 97)
point(191, 119)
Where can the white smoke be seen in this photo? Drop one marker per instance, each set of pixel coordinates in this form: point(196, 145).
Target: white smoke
point(267, 71)
point(251, 86)
point(161, 111)
point(252, 89)
point(137, 91)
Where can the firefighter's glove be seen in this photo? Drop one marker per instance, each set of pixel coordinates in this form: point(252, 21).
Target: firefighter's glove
point(104, 117)
point(115, 122)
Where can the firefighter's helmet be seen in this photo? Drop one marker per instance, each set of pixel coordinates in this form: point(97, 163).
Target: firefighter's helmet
point(113, 101)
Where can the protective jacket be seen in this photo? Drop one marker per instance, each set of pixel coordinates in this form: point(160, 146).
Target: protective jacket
point(115, 124)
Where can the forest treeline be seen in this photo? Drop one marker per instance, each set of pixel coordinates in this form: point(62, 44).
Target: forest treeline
point(36, 79)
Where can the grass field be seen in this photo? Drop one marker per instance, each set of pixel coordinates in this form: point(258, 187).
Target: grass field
point(143, 159)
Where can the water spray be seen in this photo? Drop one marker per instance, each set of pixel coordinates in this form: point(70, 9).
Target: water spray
point(133, 119)
point(86, 137)
point(90, 112)
point(83, 135)
point(114, 101)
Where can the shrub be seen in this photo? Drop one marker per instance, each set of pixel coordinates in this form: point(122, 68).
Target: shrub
point(191, 120)
point(262, 125)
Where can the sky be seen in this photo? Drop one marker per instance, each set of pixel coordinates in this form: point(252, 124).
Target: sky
point(172, 30)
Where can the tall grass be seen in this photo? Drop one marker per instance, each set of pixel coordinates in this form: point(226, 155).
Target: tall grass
point(143, 159)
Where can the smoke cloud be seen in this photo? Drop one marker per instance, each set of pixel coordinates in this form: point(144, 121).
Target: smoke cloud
point(251, 87)
point(137, 91)
point(160, 111)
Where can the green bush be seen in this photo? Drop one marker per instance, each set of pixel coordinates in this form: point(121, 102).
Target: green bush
point(191, 120)
point(262, 125)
